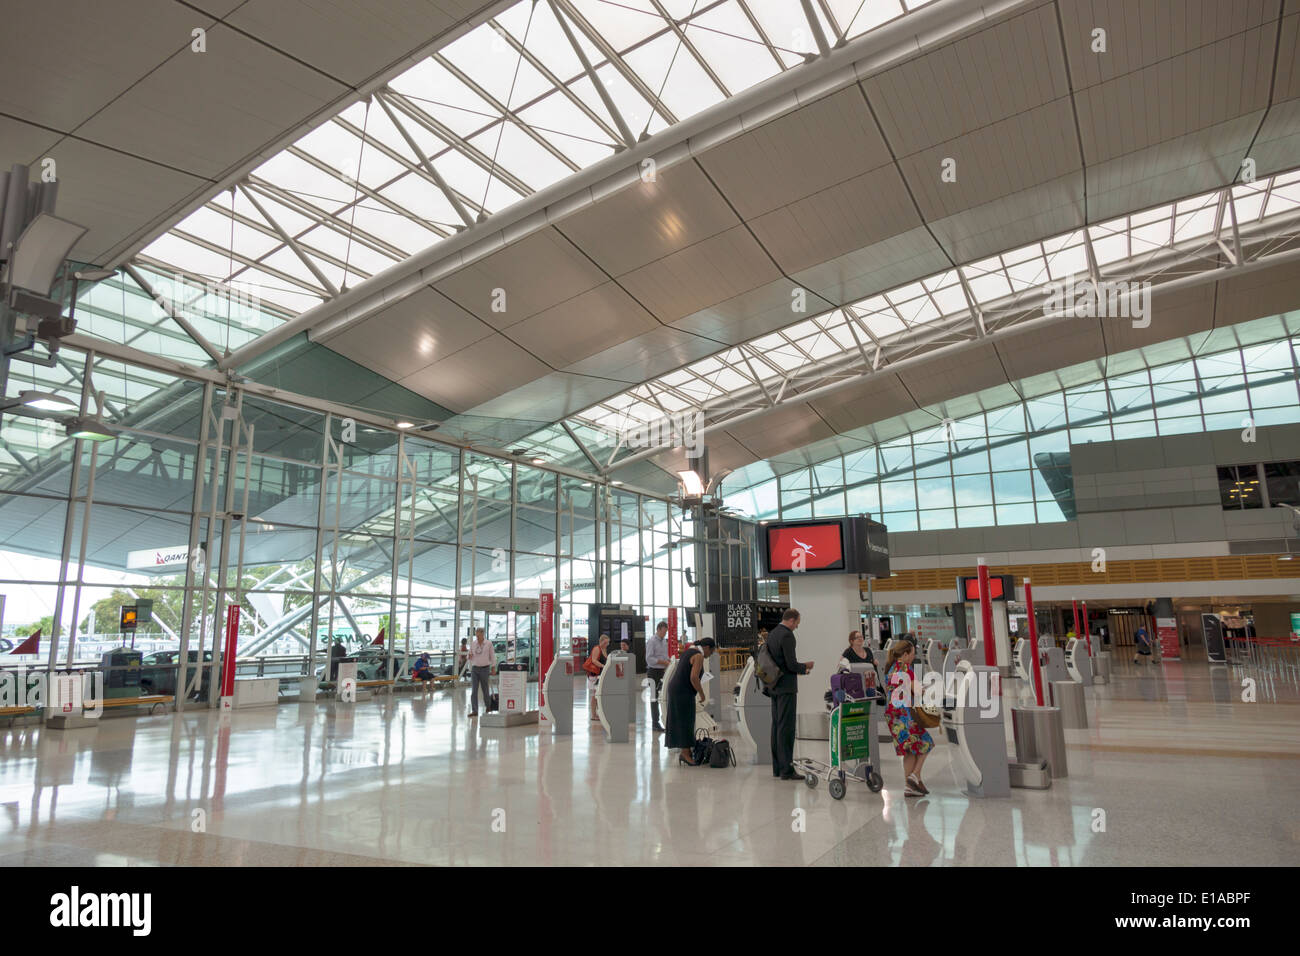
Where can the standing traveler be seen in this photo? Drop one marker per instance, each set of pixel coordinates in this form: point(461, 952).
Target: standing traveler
point(785, 694)
point(683, 690)
point(481, 658)
point(911, 741)
point(462, 658)
point(1143, 645)
point(656, 662)
point(857, 652)
point(594, 665)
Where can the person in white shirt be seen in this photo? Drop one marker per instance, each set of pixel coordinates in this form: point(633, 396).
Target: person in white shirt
point(656, 662)
point(481, 658)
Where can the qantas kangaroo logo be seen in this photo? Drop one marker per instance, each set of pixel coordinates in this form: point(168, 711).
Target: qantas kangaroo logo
point(806, 548)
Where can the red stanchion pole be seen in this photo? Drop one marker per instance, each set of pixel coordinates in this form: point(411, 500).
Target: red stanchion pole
point(1087, 631)
point(986, 615)
point(1074, 606)
point(1033, 642)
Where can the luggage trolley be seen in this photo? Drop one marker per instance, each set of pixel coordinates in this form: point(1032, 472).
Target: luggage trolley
point(853, 749)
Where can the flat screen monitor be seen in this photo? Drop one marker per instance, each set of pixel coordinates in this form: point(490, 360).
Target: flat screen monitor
point(997, 590)
point(814, 546)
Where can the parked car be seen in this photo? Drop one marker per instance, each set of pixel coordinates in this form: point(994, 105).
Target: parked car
point(372, 664)
point(158, 672)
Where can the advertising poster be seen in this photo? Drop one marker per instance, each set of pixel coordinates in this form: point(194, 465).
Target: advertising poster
point(1213, 629)
point(1167, 636)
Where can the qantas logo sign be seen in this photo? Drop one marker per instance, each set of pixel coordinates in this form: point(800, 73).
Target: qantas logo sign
point(810, 547)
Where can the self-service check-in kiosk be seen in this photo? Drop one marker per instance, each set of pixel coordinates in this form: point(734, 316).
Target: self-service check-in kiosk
point(1025, 663)
point(614, 698)
point(755, 712)
point(974, 722)
point(664, 684)
point(710, 679)
point(933, 655)
point(1024, 666)
point(557, 688)
point(1053, 664)
point(1077, 662)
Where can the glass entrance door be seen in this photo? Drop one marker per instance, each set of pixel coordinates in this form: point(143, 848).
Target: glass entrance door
point(501, 624)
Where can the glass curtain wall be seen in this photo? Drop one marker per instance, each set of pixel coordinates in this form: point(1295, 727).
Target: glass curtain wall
point(319, 528)
point(1010, 465)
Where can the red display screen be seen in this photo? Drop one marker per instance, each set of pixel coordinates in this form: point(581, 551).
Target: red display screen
point(812, 547)
point(973, 588)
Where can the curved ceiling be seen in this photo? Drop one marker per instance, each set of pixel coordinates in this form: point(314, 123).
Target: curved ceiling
point(844, 197)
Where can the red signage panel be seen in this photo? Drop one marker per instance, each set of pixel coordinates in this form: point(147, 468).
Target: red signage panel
point(810, 547)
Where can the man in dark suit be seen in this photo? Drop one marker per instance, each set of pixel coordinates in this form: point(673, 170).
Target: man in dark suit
point(780, 644)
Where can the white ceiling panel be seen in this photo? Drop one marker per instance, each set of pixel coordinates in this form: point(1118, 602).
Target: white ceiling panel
point(1263, 293)
point(1025, 150)
point(475, 374)
point(349, 41)
point(703, 275)
point(779, 430)
point(1140, 34)
point(1007, 222)
point(751, 314)
point(548, 398)
point(649, 221)
point(62, 62)
point(964, 86)
point(1177, 96)
point(838, 220)
point(23, 142)
point(1034, 351)
point(535, 273)
point(1186, 165)
point(873, 398)
point(1278, 142)
point(109, 191)
point(819, 145)
point(878, 267)
point(246, 91)
point(652, 353)
point(583, 326)
point(1172, 315)
point(409, 335)
point(976, 366)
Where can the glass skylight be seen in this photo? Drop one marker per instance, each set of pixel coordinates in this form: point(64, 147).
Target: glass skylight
point(1129, 245)
point(501, 112)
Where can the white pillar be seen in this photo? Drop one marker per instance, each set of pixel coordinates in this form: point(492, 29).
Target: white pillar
point(830, 607)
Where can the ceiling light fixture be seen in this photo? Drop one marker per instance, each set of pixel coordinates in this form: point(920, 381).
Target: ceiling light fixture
point(406, 424)
point(91, 428)
point(40, 401)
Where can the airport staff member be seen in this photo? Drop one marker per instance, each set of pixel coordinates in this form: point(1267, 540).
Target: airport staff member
point(656, 662)
point(780, 644)
point(481, 658)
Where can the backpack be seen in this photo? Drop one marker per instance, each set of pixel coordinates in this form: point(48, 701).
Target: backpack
point(721, 754)
point(765, 668)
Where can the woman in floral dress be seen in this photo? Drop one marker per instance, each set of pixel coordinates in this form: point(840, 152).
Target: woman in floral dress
point(911, 741)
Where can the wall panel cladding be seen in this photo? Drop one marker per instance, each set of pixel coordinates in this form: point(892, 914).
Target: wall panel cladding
point(1234, 568)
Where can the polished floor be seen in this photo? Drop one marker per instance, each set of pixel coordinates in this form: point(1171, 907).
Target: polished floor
point(1179, 769)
